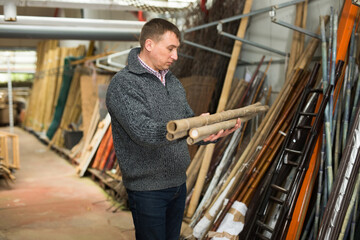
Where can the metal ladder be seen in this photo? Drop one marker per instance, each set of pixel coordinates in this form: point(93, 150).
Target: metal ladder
point(293, 159)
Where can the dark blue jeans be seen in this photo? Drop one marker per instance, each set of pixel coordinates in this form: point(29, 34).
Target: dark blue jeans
point(158, 215)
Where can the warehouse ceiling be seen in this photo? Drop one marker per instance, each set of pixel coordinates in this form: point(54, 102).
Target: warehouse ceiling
point(159, 6)
point(49, 8)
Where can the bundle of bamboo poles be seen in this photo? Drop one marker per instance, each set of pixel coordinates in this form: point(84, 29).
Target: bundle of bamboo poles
point(48, 79)
point(42, 54)
point(202, 126)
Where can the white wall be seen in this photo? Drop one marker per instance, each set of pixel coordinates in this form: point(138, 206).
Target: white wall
point(101, 46)
point(263, 31)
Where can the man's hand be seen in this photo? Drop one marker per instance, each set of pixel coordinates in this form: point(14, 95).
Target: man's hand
point(222, 133)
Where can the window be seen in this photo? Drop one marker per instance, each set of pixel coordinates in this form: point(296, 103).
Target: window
point(21, 63)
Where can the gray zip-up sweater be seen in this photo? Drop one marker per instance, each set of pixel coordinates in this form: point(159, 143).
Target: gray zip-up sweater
point(140, 107)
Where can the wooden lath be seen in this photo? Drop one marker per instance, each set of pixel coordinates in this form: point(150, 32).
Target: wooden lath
point(9, 155)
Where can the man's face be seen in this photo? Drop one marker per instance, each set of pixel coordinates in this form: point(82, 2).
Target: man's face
point(164, 51)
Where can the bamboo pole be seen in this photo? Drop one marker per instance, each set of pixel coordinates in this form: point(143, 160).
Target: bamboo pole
point(309, 227)
point(307, 55)
point(253, 100)
point(348, 89)
point(333, 65)
point(251, 81)
point(355, 216)
point(259, 172)
point(185, 124)
point(338, 149)
point(198, 134)
point(297, 39)
point(329, 158)
point(177, 135)
point(194, 168)
point(356, 101)
point(237, 93)
point(320, 194)
point(215, 179)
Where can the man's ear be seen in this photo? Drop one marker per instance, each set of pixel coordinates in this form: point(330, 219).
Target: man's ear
point(149, 45)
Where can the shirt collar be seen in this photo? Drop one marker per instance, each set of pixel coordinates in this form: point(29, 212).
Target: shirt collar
point(159, 74)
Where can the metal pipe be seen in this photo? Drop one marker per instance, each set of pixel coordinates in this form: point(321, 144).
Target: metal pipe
point(65, 32)
point(122, 5)
point(252, 43)
point(71, 22)
point(10, 98)
point(206, 48)
point(237, 17)
point(293, 27)
point(10, 10)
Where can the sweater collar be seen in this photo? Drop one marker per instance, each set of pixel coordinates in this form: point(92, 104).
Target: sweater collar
point(135, 66)
point(133, 62)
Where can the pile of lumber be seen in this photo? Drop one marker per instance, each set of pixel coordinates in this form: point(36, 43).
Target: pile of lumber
point(47, 83)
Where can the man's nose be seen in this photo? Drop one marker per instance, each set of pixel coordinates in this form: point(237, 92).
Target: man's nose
point(174, 55)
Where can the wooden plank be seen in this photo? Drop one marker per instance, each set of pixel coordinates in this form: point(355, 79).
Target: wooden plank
point(89, 95)
point(92, 127)
point(92, 147)
point(221, 106)
point(345, 27)
point(297, 39)
point(91, 58)
point(51, 88)
point(5, 151)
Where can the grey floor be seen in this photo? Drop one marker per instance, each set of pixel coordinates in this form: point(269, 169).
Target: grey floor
point(49, 201)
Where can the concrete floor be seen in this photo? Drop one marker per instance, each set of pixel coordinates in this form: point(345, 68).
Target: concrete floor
point(49, 201)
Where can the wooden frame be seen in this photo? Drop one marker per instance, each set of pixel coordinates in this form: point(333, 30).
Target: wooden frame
point(6, 160)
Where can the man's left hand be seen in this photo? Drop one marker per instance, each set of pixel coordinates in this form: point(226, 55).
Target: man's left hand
point(223, 133)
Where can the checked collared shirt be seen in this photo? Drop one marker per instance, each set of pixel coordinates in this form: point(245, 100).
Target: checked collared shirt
point(159, 74)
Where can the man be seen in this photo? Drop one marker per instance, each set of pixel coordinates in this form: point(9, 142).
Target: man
point(141, 99)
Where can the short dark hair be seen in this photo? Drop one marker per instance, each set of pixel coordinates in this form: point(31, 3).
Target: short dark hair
point(155, 28)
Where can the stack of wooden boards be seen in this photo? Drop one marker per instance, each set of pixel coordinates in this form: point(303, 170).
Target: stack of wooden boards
point(67, 96)
point(47, 83)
